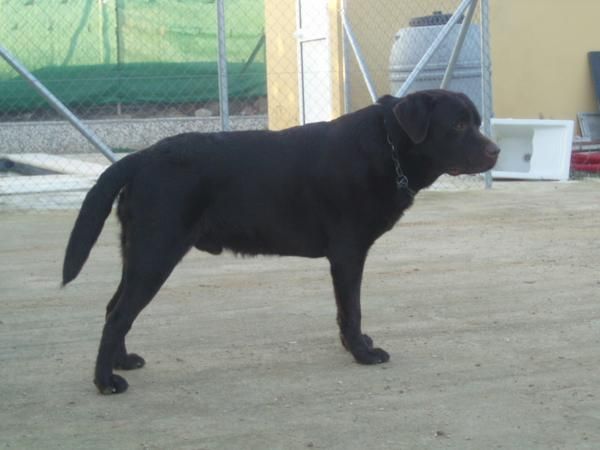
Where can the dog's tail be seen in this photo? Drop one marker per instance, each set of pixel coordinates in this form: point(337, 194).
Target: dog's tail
point(95, 209)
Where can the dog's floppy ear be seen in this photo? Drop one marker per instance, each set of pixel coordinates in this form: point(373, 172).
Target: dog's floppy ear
point(413, 113)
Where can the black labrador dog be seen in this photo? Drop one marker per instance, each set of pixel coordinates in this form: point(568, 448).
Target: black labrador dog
point(327, 189)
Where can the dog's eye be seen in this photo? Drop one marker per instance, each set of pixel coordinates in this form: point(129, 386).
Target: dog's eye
point(460, 126)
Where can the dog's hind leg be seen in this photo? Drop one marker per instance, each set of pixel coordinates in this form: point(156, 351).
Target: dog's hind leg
point(150, 256)
point(123, 360)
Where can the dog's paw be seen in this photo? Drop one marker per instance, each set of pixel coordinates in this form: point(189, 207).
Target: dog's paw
point(130, 361)
point(371, 356)
point(114, 385)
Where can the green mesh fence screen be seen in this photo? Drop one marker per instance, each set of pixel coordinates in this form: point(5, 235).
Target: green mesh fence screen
point(91, 53)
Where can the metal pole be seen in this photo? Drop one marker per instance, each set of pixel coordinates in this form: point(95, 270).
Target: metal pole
point(120, 47)
point(486, 79)
point(346, 75)
point(222, 67)
point(359, 57)
point(432, 49)
point(57, 105)
point(346, 68)
point(458, 46)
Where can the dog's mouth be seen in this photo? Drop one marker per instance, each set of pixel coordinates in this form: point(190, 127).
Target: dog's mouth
point(492, 159)
point(486, 161)
point(472, 169)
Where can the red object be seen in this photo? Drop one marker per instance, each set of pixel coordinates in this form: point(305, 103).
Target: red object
point(586, 167)
point(586, 158)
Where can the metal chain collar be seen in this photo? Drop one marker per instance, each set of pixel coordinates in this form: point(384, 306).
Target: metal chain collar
point(401, 179)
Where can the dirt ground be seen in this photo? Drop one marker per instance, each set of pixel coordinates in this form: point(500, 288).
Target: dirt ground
point(488, 302)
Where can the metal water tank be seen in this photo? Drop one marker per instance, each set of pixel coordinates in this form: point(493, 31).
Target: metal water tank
point(411, 43)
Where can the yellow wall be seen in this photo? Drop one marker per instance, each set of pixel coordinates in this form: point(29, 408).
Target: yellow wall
point(282, 63)
point(539, 57)
point(538, 49)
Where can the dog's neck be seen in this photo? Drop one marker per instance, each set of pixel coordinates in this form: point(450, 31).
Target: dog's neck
point(402, 183)
point(413, 171)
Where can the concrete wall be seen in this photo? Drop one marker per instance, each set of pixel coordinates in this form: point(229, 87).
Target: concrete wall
point(59, 137)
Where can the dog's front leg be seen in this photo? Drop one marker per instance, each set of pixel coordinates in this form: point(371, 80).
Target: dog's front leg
point(346, 273)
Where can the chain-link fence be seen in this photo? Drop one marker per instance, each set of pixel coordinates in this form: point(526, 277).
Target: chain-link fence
point(134, 70)
point(129, 58)
point(139, 70)
point(417, 45)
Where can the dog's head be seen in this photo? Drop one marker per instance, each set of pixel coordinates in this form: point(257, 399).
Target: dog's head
point(444, 126)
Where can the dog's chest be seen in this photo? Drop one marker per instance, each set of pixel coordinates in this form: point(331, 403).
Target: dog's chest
point(388, 212)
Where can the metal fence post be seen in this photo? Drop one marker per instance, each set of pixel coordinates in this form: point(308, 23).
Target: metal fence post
point(346, 63)
point(458, 46)
point(432, 49)
point(119, 19)
point(486, 77)
point(57, 105)
point(222, 67)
